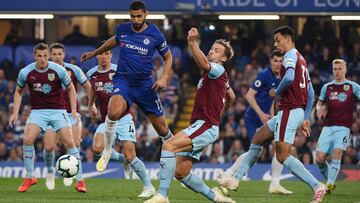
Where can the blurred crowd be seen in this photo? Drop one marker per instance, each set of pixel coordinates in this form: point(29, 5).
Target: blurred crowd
point(317, 42)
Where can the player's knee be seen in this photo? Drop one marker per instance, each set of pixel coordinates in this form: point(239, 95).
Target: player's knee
point(113, 115)
point(48, 148)
point(281, 157)
point(97, 148)
point(129, 155)
point(168, 146)
point(180, 174)
point(320, 159)
point(28, 141)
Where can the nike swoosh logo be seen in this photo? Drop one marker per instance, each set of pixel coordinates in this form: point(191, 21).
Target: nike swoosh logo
point(96, 173)
point(267, 176)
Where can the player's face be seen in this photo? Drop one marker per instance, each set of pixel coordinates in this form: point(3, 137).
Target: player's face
point(57, 55)
point(276, 64)
point(339, 71)
point(280, 42)
point(41, 58)
point(137, 18)
point(217, 53)
point(104, 59)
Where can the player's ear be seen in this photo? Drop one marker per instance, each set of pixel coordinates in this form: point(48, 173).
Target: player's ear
point(223, 59)
point(146, 13)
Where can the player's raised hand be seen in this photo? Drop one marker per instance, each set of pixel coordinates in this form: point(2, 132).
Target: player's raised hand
point(193, 34)
point(86, 56)
point(159, 84)
point(306, 128)
point(12, 120)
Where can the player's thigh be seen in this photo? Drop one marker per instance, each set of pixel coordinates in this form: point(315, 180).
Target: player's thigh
point(180, 142)
point(287, 123)
point(148, 101)
point(117, 106)
point(325, 141)
point(50, 139)
point(184, 165)
point(125, 129)
point(201, 134)
point(263, 135)
point(341, 136)
point(31, 132)
point(66, 137)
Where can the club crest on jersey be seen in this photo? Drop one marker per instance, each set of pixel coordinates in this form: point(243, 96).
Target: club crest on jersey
point(346, 87)
point(111, 75)
point(257, 83)
point(146, 41)
point(51, 76)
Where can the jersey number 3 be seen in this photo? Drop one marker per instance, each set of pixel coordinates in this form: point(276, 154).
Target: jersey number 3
point(303, 78)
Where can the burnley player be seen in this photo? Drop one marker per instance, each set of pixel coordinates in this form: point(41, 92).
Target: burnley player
point(296, 100)
point(45, 81)
point(260, 110)
point(213, 97)
point(133, 83)
point(57, 55)
point(102, 86)
point(336, 106)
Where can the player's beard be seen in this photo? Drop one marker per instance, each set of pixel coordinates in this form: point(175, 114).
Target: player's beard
point(138, 26)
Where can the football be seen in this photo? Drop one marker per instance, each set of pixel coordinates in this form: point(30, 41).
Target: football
point(67, 166)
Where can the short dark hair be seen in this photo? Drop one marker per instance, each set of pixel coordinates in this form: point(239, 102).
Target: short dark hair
point(40, 46)
point(137, 5)
point(276, 53)
point(57, 45)
point(286, 31)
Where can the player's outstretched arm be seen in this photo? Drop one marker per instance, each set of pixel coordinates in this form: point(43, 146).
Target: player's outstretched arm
point(17, 101)
point(109, 44)
point(250, 97)
point(286, 81)
point(72, 97)
point(199, 56)
point(229, 100)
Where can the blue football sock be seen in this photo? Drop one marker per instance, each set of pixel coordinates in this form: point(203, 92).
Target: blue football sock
point(298, 169)
point(196, 184)
point(139, 167)
point(167, 169)
point(249, 160)
point(324, 167)
point(118, 156)
point(49, 160)
point(29, 157)
point(333, 171)
point(75, 152)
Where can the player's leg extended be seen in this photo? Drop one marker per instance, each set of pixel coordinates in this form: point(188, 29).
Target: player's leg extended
point(287, 124)
point(116, 108)
point(161, 126)
point(251, 127)
point(322, 148)
point(178, 143)
point(263, 135)
point(50, 140)
point(139, 167)
point(195, 183)
point(276, 168)
point(30, 134)
point(333, 170)
point(76, 127)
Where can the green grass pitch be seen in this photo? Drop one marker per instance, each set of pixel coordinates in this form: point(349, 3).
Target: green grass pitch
point(125, 191)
